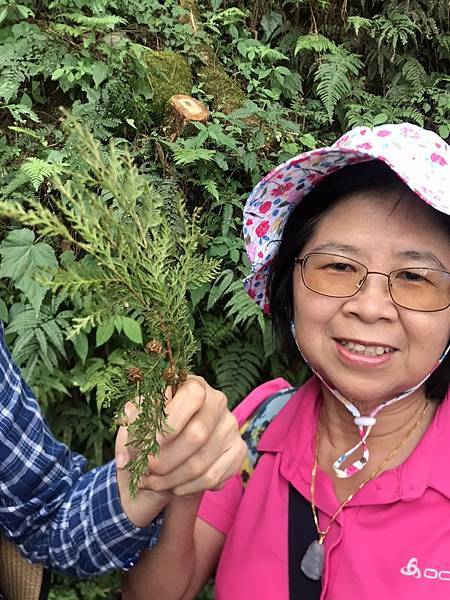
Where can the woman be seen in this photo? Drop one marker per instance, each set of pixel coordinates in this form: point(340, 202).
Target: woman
point(350, 496)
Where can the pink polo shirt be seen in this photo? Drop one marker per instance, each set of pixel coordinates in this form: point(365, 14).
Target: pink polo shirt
point(391, 541)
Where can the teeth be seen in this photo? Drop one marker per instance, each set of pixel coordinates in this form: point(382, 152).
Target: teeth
point(368, 350)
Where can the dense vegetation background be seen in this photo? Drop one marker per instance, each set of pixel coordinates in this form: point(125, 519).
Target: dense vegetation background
point(278, 77)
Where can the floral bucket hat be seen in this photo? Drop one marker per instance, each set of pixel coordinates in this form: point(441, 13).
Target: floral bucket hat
point(418, 156)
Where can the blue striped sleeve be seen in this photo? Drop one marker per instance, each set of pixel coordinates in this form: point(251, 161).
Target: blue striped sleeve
point(70, 520)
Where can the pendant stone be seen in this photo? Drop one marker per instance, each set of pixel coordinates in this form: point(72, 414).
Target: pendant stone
point(312, 562)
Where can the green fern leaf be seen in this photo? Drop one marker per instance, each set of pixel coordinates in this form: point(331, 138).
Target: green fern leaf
point(24, 346)
point(188, 156)
point(333, 79)
point(211, 187)
point(227, 217)
point(107, 22)
point(315, 43)
point(37, 170)
point(394, 28)
point(54, 333)
point(358, 23)
point(220, 287)
point(238, 369)
point(241, 308)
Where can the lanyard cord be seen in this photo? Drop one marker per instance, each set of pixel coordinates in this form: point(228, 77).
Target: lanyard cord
point(364, 423)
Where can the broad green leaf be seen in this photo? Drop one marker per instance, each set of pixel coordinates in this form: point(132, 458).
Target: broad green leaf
point(199, 293)
point(103, 333)
point(118, 323)
point(24, 11)
point(4, 316)
point(132, 330)
point(309, 141)
point(380, 118)
point(24, 261)
point(81, 345)
point(99, 72)
point(444, 131)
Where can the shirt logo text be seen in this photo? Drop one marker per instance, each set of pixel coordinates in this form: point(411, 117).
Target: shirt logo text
point(412, 569)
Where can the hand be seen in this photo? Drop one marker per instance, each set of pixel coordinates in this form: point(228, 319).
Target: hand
point(201, 449)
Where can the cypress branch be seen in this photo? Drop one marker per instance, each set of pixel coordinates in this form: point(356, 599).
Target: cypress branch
point(140, 269)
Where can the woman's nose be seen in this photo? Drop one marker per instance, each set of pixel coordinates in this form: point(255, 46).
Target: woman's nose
point(373, 300)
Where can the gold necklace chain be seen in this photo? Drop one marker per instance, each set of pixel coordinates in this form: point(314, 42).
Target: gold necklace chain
point(323, 533)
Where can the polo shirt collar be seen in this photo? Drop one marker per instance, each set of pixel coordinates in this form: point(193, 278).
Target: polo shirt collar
point(292, 433)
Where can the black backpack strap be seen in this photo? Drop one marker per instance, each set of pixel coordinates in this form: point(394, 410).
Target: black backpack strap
point(301, 527)
point(302, 531)
point(45, 587)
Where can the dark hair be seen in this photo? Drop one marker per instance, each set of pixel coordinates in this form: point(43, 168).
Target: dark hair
point(363, 177)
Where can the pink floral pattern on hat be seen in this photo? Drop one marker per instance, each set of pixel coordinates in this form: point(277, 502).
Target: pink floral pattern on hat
point(418, 156)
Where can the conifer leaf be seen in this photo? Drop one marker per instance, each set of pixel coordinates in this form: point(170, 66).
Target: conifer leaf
point(24, 260)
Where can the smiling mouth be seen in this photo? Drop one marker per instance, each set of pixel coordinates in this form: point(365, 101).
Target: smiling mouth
point(366, 350)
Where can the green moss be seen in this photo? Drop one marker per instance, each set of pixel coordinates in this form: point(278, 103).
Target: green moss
point(168, 73)
point(226, 93)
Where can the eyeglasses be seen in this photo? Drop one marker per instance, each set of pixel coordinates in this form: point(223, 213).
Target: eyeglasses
point(421, 289)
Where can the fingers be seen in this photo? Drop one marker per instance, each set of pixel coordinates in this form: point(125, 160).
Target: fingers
point(180, 409)
point(211, 421)
point(205, 467)
point(202, 447)
point(214, 479)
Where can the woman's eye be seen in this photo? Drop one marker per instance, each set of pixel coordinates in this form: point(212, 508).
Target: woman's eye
point(341, 267)
point(412, 276)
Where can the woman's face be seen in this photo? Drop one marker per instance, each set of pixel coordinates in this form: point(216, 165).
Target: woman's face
point(384, 237)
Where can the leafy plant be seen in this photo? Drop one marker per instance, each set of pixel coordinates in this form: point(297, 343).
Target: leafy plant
point(141, 271)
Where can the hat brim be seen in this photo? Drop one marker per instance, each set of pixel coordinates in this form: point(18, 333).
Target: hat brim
point(286, 185)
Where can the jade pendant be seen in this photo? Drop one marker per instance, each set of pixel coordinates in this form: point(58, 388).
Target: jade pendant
point(312, 562)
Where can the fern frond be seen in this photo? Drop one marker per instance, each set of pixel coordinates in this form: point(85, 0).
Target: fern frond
point(228, 16)
point(215, 332)
point(411, 77)
point(107, 22)
point(394, 28)
point(40, 335)
point(227, 217)
point(241, 308)
point(37, 170)
point(187, 156)
point(414, 72)
point(211, 187)
point(315, 43)
point(238, 369)
point(333, 79)
point(220, 287)
point(357, 23)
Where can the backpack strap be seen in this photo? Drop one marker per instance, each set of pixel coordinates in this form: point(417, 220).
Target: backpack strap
point(253, 428)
